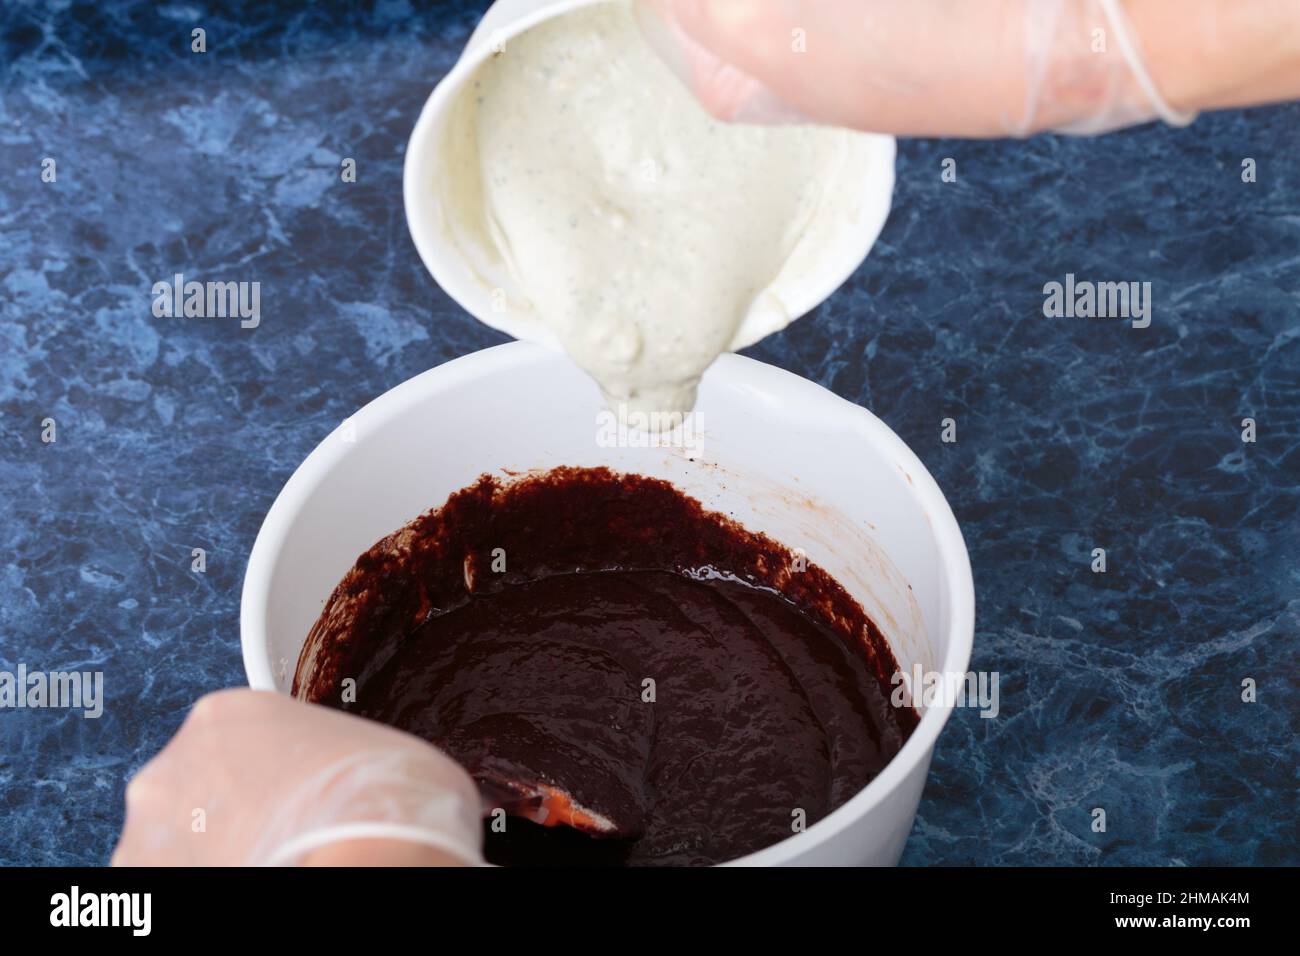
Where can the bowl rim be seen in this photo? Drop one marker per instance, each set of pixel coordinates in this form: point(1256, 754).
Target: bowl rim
point(875, 202)
point(957, 586)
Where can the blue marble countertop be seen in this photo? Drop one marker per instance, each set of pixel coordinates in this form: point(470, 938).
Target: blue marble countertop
point(1120, 690)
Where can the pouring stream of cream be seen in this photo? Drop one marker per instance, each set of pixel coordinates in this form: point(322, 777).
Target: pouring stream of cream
point(641, 230)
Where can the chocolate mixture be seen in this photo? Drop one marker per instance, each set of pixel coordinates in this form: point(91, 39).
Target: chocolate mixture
point(678, 685)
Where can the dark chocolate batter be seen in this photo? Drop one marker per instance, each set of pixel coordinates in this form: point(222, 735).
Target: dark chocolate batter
point(669, 674)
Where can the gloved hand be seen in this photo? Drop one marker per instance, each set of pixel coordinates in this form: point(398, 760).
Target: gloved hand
point(257, 778)
point(983, 68)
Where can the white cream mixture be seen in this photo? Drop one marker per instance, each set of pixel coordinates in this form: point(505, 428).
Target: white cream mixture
point(641, 230)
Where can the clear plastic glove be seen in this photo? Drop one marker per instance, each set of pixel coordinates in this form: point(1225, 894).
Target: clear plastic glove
point(977, 67)
point(257, 778)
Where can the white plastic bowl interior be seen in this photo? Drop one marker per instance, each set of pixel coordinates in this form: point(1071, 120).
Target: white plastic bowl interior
point(781, 454)
point(472, 285)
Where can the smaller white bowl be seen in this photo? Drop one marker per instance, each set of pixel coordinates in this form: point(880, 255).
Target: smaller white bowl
point(470, 279)
point(780, 454)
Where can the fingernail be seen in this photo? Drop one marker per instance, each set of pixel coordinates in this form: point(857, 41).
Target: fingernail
point(725, 90)
point(666, 40)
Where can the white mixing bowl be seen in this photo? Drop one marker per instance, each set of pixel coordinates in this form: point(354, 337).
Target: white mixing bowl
point(781, 454)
